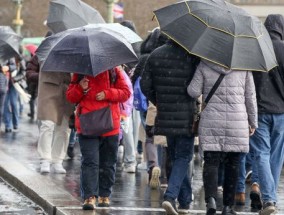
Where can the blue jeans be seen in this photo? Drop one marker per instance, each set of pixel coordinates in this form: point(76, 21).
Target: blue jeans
point(11, 108)
point(179, 185)
point(268, 144)
point(241, 185)
point(98, 164)
point(2, 99)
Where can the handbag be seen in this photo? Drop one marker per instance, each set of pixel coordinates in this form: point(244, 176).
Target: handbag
point(196, 118)
point(96, 123)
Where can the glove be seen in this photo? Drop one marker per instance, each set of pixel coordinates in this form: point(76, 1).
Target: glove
point(149, 130)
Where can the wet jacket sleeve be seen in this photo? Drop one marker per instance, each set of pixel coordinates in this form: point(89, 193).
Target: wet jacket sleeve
point(32, 73)
point(146, 83)
point(195, 87)
point(120, 92)
point(250, 100)
point(75, 92)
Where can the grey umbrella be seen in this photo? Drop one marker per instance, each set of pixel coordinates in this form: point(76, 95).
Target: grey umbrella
point(85, 50)
point(66, 14)
point(219, 32)
point(9, 43)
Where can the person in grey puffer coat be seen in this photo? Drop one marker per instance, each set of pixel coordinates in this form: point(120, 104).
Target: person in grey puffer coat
point(226, 123)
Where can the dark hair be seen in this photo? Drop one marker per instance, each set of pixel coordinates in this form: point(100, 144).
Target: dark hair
point(129, 24)
point(49, 33)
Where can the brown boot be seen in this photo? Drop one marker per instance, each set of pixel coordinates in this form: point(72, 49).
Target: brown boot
point(240, 198)
point(255, 196)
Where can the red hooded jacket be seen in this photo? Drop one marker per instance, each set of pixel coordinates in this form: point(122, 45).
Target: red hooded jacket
point(115, 93)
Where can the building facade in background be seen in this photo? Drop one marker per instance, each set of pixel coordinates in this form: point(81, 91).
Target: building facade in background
point(34, 12)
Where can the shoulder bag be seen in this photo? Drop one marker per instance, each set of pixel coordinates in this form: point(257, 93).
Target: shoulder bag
point(196, 118)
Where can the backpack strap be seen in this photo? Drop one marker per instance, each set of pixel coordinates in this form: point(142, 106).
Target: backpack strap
point(213, 90)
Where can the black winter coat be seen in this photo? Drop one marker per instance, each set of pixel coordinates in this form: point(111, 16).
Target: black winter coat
point(270, 86)
point(168, 71)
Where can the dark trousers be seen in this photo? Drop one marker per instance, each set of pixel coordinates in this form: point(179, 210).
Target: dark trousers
point(212, 161)
point(98, 165)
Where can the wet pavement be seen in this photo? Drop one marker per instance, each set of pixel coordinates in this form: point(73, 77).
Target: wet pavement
point(13, 202)
point(131, 194)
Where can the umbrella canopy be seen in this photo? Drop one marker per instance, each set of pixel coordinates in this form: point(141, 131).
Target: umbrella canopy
point(9, 43)
point(31, 48)
point(85, 50)
point(66, 14)
point(219, 32)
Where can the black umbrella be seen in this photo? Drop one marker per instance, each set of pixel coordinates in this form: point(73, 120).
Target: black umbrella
point(219, 32)
point(66, 14)
point(9, 43)
point(85, 50)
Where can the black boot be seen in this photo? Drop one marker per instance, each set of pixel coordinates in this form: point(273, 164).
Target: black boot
point(211, 206)
point(228, 210)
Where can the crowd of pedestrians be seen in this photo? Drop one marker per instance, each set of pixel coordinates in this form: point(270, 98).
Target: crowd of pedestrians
point(241, 128)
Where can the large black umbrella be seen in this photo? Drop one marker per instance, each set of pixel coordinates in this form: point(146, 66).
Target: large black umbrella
point(85, 50)
point(9, 43)
point(66, 14)
point(219, 32)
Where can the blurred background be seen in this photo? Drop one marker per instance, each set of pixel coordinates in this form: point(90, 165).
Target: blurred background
point(27, 17)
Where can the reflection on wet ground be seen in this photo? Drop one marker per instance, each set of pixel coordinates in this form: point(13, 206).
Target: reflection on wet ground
point(13, 202)
point(131, 194)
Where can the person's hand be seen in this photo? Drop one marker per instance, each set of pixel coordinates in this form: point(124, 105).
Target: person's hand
point(251, 131)
point(84, 83)
point(5, 69)
point(101, 96)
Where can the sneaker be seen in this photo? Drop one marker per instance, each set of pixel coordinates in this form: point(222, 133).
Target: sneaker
point(70, 152)
point(154, 177)
point(44, 167)
point(220, 189)
point(139, 156)
point(103, 202)
point(164, 182)
point(58, 168)
point(90, 203)
point(142, 166)
point(170, 206)
point(8, 130)
point(183, 209)
point(255, 196)
point(268, 208)
point(130, 169)
point(228, 210)
point(240, 198)
point(15, 128)
point(31, 115)
point(248, 177)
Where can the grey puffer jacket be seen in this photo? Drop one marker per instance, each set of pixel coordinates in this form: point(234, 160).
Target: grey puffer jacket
point(224, 123)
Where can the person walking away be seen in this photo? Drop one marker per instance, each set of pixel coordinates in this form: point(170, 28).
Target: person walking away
point(268, 141)
point(32, 82)
point(126, 108)
point(4, 75)
point(154, 40)
point(11, 104)
point(99, 153)
point(168, 71)
point(224, 128)
point(53, 112)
